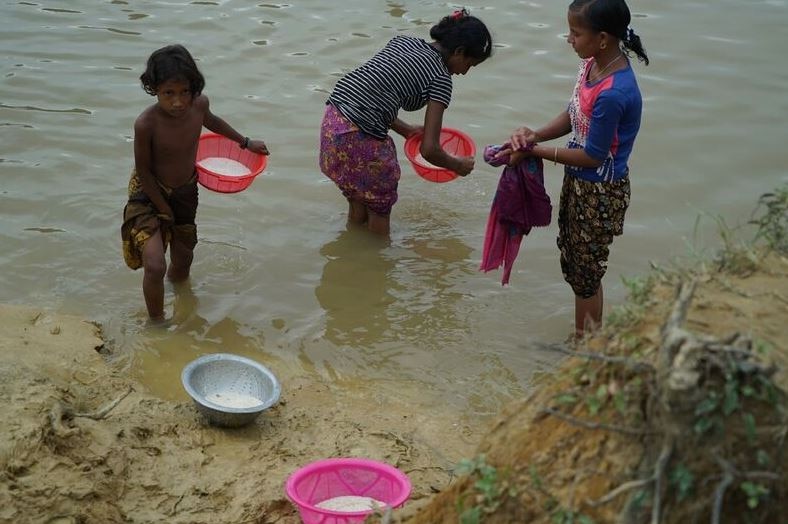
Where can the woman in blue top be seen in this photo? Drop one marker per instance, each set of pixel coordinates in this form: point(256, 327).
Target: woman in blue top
point(603, 117)
point(356, 151)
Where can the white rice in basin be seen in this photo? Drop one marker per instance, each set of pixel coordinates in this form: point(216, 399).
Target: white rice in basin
point(224, 166)
point(231, 399)
point(351, 503)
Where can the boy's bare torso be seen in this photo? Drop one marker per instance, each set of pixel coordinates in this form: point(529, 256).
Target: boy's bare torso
point(173, 140)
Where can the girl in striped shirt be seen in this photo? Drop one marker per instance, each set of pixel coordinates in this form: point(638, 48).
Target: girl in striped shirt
point(356, 151)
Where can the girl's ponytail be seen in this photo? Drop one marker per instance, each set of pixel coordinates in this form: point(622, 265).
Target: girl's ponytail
point(631, 42)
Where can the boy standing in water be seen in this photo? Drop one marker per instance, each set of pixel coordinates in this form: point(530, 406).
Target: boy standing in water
point(162, 201)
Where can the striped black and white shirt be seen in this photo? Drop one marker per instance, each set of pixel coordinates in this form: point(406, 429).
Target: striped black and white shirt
point(405, 74)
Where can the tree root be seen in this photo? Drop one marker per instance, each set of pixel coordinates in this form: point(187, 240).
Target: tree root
point(104, 411)
point(623, 488)
point(689, 369)
point(56, 416)
point(634, 365)
point(719, 492)
point(60, 412)
point(659, 479)
point(588, 424)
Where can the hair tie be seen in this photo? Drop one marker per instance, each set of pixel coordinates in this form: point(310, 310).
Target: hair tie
point(630, 34)
point(459, 13)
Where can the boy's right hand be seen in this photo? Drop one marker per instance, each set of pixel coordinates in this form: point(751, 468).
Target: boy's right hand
point(465, 165)
point(166, 216)
point(165, 220)
point(257, 146)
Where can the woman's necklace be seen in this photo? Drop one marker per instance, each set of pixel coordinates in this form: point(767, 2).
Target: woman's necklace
point(602, 71)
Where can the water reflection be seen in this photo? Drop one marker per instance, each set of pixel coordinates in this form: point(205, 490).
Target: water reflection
point(373, 292)
point(184, 309)
point(163, 351)
point(434, 269)
point(355, 290)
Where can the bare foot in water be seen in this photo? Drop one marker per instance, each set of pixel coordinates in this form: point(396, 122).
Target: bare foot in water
point(158, 322)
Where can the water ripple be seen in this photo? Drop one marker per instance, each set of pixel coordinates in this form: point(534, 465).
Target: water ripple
point(57, 10)
point(111, 30)
point(46, 110)
point(45, 229)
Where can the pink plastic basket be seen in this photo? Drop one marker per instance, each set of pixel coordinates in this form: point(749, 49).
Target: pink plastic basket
point(336, 477)
point(453, 141)
point(213, 145)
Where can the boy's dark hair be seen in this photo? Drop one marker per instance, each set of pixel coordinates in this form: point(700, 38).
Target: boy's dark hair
point(172, 62)
point(463, 30)
point(612, 17)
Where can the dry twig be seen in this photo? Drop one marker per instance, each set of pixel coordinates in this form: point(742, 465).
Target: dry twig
point(59, 412)
point(659, 476)
point(634, 365)
point(623, 488)
point(719, 492)
point(103, 412)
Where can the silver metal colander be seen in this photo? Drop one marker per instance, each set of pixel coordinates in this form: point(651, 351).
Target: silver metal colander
point(230, 390)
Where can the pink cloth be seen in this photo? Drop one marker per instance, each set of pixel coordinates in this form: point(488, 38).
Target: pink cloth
point(520, 203)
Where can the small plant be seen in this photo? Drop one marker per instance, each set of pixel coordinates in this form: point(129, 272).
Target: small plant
point(490, 489)
point(566, 399)
point(597, 400)
point(771, 217)
point(623, 316)
point(567, 516)
point(682, 480)
point(706, 416)
point(722, 402)
point(735, 257)
point(755, 493)
point(536, 479)
point(639, 288)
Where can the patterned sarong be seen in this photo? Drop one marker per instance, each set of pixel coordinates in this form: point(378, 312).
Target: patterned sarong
point(589, 216)
point(141, 219)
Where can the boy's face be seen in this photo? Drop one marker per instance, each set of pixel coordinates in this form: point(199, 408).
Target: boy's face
point(175, 97)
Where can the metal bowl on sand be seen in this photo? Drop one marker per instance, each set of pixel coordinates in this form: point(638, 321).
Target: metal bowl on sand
point(230, 390)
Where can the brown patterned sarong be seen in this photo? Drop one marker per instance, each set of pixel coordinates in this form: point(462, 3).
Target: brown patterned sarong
point(590, 215)
point(141, 219)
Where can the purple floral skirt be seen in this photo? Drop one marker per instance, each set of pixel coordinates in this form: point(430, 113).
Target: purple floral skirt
point(364, 168)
